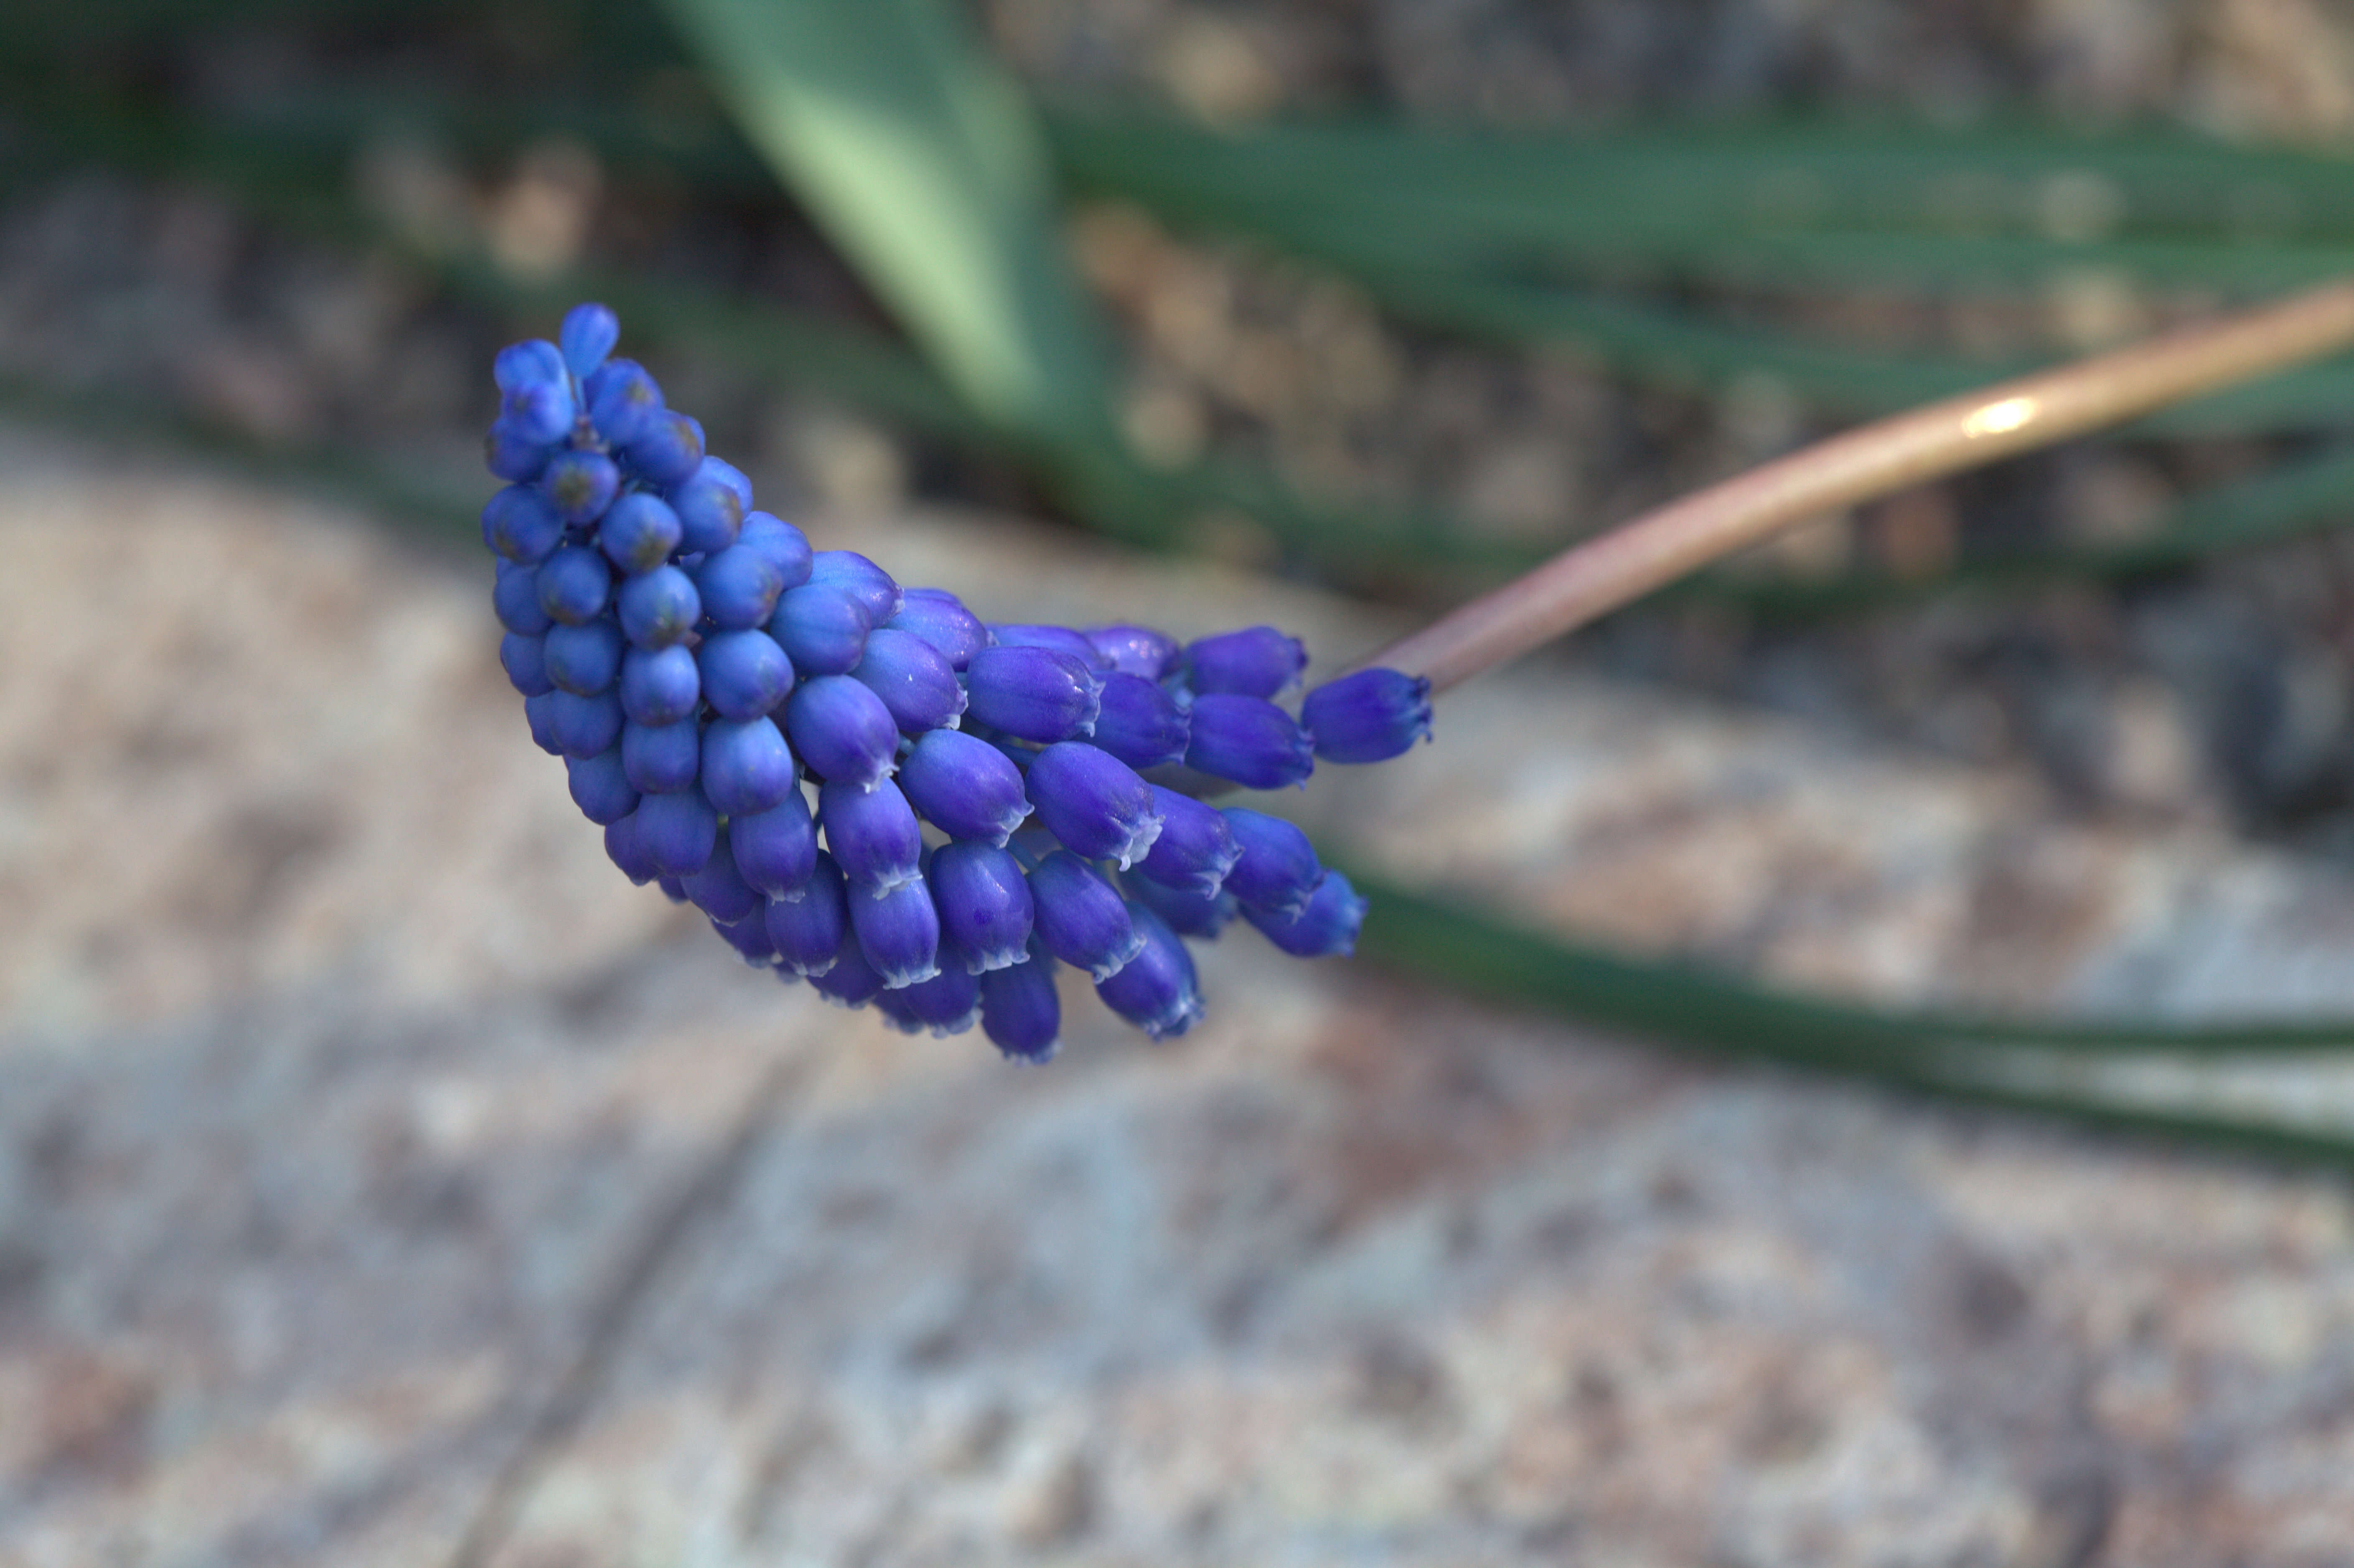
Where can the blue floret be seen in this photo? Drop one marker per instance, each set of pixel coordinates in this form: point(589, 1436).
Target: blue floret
point(708, 677)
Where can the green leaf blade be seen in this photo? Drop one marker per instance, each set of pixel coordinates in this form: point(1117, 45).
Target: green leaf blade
point(920, 160)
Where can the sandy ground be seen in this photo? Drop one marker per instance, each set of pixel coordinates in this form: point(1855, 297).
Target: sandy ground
point(384, 1180)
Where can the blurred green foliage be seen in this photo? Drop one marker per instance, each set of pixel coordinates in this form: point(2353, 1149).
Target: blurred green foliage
point(1673, 253)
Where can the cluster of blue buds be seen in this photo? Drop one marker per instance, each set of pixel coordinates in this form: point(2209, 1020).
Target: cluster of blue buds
point(991, 799)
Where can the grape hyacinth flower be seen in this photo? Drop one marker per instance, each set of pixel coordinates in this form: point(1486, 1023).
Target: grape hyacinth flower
point(1249, 740)
point(1079, 916)
point(994, 801)
point(1370, 716)
point(1141, 722)
point(1258, 662)
point(947, 1003)
point(1188, 911)
point(1156, 991)
point(809, 923)
point(822, 626)
point(934, 615)
point(1195, 848)
point(1021, 1012)
point(1034, 693)
point(984, 905)
point(874, 835)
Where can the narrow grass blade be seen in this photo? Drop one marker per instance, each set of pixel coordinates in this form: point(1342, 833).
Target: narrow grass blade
point(1689, 351)
point(1330, 211)
point(1943, 1056)
point(1456, 230)
point(920, 158)
point(1712, 187)
point(1484, 952)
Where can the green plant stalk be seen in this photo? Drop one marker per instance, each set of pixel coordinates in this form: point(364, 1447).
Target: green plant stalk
point(1941, 1055)
point(2023, 414)
point(1489, 952)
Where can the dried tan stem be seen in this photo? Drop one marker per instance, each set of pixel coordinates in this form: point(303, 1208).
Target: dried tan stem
point(1876, 460)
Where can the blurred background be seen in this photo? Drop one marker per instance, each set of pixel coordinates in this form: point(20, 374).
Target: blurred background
point(382, 1179)
point(1397, 297)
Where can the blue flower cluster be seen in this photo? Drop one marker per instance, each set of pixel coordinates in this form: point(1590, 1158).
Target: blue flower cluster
point(991, 799)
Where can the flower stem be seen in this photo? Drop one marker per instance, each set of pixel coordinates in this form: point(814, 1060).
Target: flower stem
point(1598, 574)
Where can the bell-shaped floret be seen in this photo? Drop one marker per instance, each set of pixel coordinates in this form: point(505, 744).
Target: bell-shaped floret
point(677, 831)
point(964, 786)
point(719, 889)
point(809, 924)
point(1080, 917)
point(659, 607)
point(638, 532)
point(1093, 803)
point(899, 932)
point(822, 626)
point(744, 673)
point(862, 578)
point(842, 730)
point(940, 619)
point(710, 501)
point(1277, 870)
point(948, 1004)
point(1137, 650)
point(599, 787)
point(587, 335)
point(747, 766)
point(519, 525)
point(1038, 694)
point(661, 758)
point(1248, 740)
point(1196, 848)
point(1258, 662)
point(660, 685)
point(1155, 991)
point(984, 905)
point(1141, 722)
point(872, 834)
point(776, 849)
point(1019, 1010)
point(1369, 717)
point(1327, 927)
point(580, 485)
